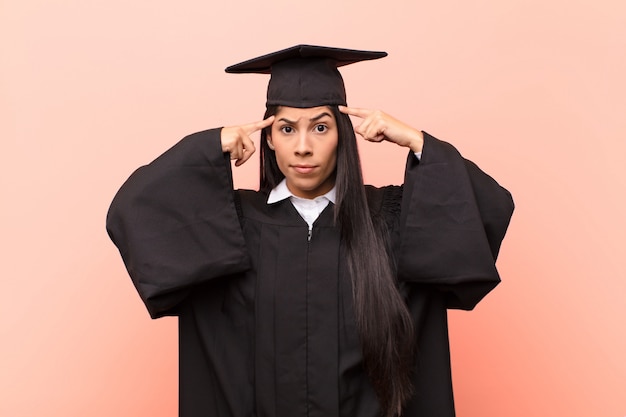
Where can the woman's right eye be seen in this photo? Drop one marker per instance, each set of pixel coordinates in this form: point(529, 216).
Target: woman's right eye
point(286, 129)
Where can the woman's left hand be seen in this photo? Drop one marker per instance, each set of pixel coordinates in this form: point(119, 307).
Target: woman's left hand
point(378, 126)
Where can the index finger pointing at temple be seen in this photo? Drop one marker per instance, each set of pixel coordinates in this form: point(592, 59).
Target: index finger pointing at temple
point(355, 111)
point(253, 127)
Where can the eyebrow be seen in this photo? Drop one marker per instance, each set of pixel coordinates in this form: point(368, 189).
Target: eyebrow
point(312, 119)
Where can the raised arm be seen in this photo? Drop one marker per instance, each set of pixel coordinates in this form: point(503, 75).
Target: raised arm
point(453, 215)
point(175, 224)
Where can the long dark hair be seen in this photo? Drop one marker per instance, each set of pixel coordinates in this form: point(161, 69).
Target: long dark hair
point(383, 321)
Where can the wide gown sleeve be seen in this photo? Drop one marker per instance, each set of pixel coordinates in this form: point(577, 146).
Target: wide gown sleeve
point(453, 219)
point(175, 223)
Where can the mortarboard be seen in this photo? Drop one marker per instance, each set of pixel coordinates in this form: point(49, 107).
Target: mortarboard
point(305, 75)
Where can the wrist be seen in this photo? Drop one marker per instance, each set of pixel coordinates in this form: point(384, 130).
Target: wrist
point(416, 142)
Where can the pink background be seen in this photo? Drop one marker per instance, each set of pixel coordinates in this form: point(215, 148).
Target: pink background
point(533, 91)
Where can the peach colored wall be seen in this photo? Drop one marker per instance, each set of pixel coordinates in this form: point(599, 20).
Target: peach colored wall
point(533, 91)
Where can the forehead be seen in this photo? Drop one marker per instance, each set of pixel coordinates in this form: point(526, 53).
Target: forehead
point(295, 113)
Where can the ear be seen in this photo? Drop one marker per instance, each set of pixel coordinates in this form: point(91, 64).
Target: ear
point(269, 141)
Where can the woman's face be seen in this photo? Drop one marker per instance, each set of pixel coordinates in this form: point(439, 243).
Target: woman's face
point(305, 142)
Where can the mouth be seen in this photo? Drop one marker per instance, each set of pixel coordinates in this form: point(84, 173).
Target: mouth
point(303, 169)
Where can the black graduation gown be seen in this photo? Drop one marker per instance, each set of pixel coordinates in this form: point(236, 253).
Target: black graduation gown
point(265, 312)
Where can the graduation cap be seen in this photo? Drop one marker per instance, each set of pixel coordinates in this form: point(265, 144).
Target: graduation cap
point(305, 75)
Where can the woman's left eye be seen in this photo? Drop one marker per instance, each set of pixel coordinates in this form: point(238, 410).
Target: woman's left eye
point(321, 128)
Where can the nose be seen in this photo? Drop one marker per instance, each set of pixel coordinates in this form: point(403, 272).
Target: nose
point(303, 145)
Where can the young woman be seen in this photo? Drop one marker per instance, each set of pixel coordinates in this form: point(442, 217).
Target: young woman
point(316, 295)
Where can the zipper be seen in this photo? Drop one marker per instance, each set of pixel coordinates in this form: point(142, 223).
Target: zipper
point(306, 369)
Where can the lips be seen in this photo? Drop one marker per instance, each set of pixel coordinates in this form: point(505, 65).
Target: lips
point(303, 169)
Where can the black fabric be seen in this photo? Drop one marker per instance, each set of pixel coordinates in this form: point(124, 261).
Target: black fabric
point(266, 319)
point(305, 75)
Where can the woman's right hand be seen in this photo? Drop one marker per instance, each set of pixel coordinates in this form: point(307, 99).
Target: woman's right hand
point(236, 139)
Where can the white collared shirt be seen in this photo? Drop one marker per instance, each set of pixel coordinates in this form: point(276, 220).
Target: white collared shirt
point(309, 209)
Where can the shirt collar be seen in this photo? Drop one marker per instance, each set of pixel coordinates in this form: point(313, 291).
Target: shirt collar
point(281, 192)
